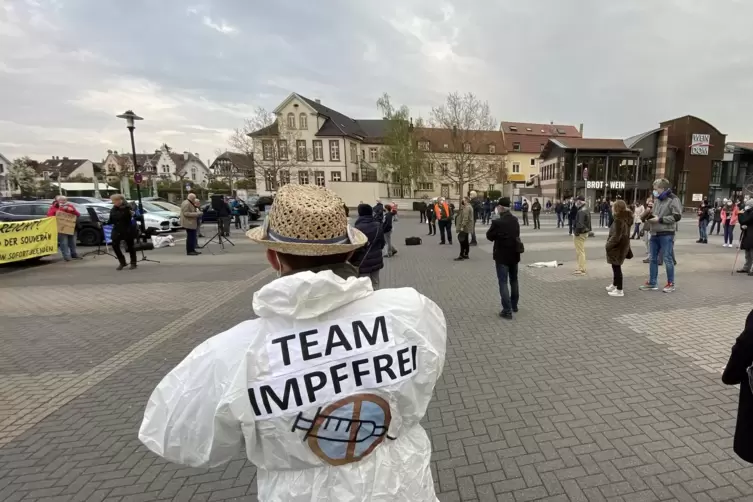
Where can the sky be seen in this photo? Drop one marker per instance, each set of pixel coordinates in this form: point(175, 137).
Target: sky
point(195, 69)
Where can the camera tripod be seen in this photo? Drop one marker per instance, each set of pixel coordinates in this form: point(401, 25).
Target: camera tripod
point(218, 237)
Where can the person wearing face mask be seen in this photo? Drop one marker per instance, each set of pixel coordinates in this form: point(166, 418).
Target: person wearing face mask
point(703, 222)
point(717, 216)
point(729, 215)
point(664, 217)
point(746, 240)
point(297, 388)
point(581, 229)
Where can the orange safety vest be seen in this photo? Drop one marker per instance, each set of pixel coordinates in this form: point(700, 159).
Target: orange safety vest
point(438, 212)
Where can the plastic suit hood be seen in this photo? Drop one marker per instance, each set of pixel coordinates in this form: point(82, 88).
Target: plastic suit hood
point(325, 389)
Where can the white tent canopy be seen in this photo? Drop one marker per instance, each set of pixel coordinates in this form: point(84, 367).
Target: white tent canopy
point(83, 187)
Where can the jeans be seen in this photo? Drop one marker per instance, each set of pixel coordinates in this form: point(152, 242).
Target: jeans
point(748, 267)
point(729, 232)
point(664, 245)
point(486, 216)
point(617, 276)
point(388, 241)
point(560, 222)
point(465, 246)
point(509, 297)
point(116, 247)
point(445, 229)
point(602, 218)
point(237, 220)
point(702, 229)
point(525, 217)
point(636, 230)
point(580, 251)
point(67, 245)
point(374, 276)
point(244, 221)
point(190, 240)
point(717, 224)
point(536, 221)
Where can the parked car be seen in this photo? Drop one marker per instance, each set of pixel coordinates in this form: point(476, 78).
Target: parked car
point(88, 231)
point(156, 219)
point(85, 200)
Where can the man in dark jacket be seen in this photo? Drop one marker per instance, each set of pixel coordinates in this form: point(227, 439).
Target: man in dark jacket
point(703, 222)
point(559, 210)
point(223, 216)
point(536, 210)
point(476, 206)
point(581, 229)
point(422, 211)
point(378, 211)
point(431, 218)
point(572, 212)
point(368, 258)
point(505, 233)
point(745, 219)
point(735, 374)
point(525, 207)
point(389, 216)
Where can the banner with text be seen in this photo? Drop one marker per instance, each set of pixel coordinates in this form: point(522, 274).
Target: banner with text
point(21, 240)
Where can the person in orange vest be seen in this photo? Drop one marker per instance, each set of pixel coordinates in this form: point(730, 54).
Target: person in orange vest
point(444, 219)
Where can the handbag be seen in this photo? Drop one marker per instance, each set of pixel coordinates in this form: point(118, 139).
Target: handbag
point(519, 247)
point(629, 254)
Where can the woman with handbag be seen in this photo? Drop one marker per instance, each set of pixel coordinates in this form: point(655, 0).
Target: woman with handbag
point(739, 371)
point(618, 245)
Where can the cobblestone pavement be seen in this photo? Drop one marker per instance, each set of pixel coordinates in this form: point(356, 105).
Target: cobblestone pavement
point(581, 397)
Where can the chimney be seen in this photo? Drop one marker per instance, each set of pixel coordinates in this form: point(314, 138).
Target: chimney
point(196, 155)
point(65, 158)
point(115, 152)
point(109, 152)
point(318, 101)
point(185, 156)
point(581, 129)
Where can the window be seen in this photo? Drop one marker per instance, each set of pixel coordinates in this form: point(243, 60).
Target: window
point(300, 148)
point(319, 178)
point(423, 145)
point(353, 176)
point(492, 148)
point(373, 154)
point(470, 187)
point(303, 177)
point(284, 177)
point(533, 162)
point(282, 149)
point(492, 169)
point(513, 128)
point(560, 131)
point(491, 187)
point(353, 153)
point(291, 121)
point(318, 150)
point(430, 168)
point(457, 187)
point(529, 129)
point(266, 149)
point(270, 180)
point(516, 167)
point(336, 175)
point(516, 147)
point(467, 147)
point(443, 167)
point(334, 150)
point(303, 122)
point(426, 186)
point(193, 173)
point(716, 173)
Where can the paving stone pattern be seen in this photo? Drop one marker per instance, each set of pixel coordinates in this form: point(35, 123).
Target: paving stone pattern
point(581, 397)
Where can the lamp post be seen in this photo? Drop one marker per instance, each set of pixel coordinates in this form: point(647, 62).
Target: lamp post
point(130, 118)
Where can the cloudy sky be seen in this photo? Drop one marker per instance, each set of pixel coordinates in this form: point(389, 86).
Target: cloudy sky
point(194, 69)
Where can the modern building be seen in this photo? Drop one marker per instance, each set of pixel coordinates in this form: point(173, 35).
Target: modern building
point(733, 177)
point(524, 143)
point(685, 150)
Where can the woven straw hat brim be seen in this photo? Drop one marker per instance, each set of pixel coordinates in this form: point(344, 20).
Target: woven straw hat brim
point(306, 249)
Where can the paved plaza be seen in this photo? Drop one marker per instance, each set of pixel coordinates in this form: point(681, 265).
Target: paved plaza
point(581, 397)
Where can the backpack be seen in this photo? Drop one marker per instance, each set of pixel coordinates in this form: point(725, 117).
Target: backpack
point(413, 241)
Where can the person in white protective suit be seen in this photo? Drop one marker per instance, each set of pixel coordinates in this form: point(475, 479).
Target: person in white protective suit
point(326, 388)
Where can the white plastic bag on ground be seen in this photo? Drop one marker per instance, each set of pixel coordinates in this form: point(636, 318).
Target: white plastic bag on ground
point(160, 241)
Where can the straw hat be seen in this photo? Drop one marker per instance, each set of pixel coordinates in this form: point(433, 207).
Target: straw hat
point(307, 220)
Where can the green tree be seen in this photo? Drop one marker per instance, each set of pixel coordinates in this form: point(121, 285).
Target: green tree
point(400, 160)
point(246, 184)
point(79, 178)
point(22, 176)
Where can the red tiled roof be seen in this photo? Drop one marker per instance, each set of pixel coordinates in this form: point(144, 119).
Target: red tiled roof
point(480, 140)
point(592, 143)
point(540, 129)
point(528, 143)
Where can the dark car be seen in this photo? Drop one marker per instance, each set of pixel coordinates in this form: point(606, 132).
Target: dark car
point(88, 231)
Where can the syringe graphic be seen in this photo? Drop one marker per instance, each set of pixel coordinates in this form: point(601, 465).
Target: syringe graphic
point(347, 425)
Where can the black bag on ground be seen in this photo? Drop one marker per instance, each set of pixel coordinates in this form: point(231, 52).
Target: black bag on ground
point(413, 241)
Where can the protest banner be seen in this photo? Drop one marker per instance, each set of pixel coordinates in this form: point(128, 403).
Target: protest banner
point(22, 240)
point(66, 223)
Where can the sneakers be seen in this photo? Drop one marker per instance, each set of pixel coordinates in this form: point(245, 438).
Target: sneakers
point(669, 288)
point(649, 287)
point(616, 292)
point(579, 272)
point(611, 288)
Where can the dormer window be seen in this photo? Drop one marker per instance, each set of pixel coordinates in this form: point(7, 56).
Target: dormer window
point(423, 146)
point(513, 129)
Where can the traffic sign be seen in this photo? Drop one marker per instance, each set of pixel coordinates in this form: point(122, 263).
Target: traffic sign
point(138, 178)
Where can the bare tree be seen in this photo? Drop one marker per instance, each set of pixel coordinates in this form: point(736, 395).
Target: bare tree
point(275, 148)
point(468, 129)
point(401, 161)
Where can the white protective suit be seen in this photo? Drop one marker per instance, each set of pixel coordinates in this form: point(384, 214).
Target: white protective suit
point(326, 389)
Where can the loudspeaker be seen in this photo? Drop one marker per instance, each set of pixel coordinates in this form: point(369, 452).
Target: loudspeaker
point(218, 201)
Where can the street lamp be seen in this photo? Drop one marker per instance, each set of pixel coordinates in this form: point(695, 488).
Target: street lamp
point(130, 118)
